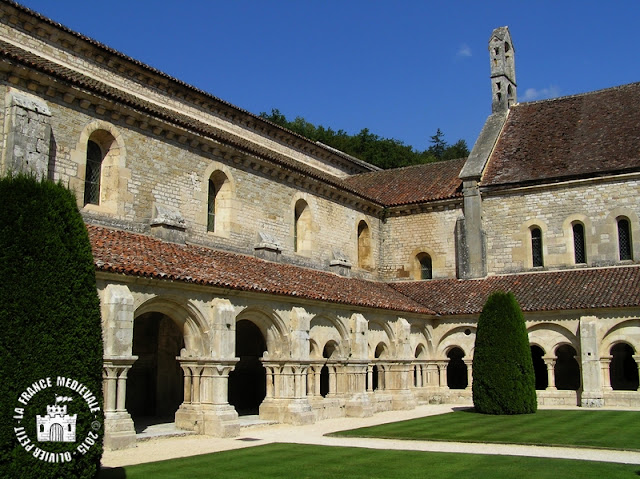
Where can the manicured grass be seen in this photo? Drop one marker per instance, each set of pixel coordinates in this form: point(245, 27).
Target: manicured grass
point(586, 428)
point(303, 461)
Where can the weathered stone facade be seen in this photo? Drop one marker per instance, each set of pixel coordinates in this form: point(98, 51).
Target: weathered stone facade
point(244, 269)
point(596, 203)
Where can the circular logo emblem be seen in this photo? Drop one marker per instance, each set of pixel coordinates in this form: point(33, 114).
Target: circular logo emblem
point(55, 418)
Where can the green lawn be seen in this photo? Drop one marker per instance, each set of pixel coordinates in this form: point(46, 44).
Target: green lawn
point(303, 461)
point(583, 428)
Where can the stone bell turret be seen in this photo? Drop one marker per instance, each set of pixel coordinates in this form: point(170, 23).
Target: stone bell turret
point(503, 70)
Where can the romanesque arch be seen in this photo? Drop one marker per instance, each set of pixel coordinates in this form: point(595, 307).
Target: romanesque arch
point(623, 369)
point(549, 336)
point(567, 369)
point(163, 329)
point(100, 187)
point(259, 335)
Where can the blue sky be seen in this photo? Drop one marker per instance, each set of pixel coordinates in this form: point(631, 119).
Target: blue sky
point(401, 69)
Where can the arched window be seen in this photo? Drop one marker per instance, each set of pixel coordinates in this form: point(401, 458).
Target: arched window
point(579, 250)
point(624, 239)
point(302, 227)
point(211, 207)
point(536, 247)
point(218, 202)
point(426, 268)
point(93, 173)
point(364, 245)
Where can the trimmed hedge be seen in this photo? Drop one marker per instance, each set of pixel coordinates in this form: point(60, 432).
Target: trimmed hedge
point(503, 376)
point(50, 317)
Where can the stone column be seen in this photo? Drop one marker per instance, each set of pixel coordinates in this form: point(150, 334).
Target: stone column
point(370, 378)
point(636, 358)
point(119, 429)
point(605, 364)
point(469, 364)
point(592, 393)
point(442, 373)
point(206, 409)
point(358, 404)
point(432, 374)
point(550, 362)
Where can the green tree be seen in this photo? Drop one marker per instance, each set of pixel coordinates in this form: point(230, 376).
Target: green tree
point(503, 376)
point(438, 145)
point(50, 316)
point(367, 146)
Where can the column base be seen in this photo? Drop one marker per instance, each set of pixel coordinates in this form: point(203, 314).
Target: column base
point(299, 413)
point(189, 418)
point(403, 400)
point(290, 411)
point(220, 421)
point(119, 431)
point(359, 405)
point(591, 399)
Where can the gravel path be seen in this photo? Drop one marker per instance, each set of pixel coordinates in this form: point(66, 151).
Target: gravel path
point(173, 447)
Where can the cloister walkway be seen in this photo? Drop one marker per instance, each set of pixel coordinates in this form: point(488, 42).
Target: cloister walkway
point(255, 433)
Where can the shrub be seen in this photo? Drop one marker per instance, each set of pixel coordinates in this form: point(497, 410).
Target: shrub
point(50, 316)
point(503, 376)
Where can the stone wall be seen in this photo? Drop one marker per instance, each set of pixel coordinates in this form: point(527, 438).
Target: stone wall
point(132, 77)
point(404, 237)
point(597, 203)
point(146, 174)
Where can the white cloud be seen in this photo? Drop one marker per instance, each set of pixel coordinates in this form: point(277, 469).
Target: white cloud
point(531, 94)
point(464, 51)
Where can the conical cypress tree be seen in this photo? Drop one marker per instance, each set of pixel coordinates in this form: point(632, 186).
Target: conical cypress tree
point(50, 317)
point(503, 376)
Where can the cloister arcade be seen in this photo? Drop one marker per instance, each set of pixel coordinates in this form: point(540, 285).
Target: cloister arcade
point(202, 362)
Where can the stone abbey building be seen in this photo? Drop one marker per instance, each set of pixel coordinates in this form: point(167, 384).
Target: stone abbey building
point(243, 269)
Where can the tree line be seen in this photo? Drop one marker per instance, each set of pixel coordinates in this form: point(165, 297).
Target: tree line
point(382, 152)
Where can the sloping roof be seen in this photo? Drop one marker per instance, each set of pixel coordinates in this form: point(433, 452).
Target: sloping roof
point(134, 254)
point(117, 251)
point(546, 291)
point(567, 138)
point(412, 184)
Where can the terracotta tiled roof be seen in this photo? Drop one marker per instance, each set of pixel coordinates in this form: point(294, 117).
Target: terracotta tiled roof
point(549, 291)
point(140, 255)
point(412, 184)
point(573, 137)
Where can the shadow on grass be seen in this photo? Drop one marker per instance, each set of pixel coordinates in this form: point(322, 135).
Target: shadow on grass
point(112, 473)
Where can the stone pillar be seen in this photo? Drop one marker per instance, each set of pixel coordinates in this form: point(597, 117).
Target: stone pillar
point(119, 430)
point(370, 378)
point(550, 362)
point(442, 373)
point(358, 404)
point(469, 364)
point(317, 369)
point(592, 394)
point(206, 409)
point(605, 364)
point(432, 374)
point(398, 384)
point(269, 374)
point(636, 358)
point(28, 140)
